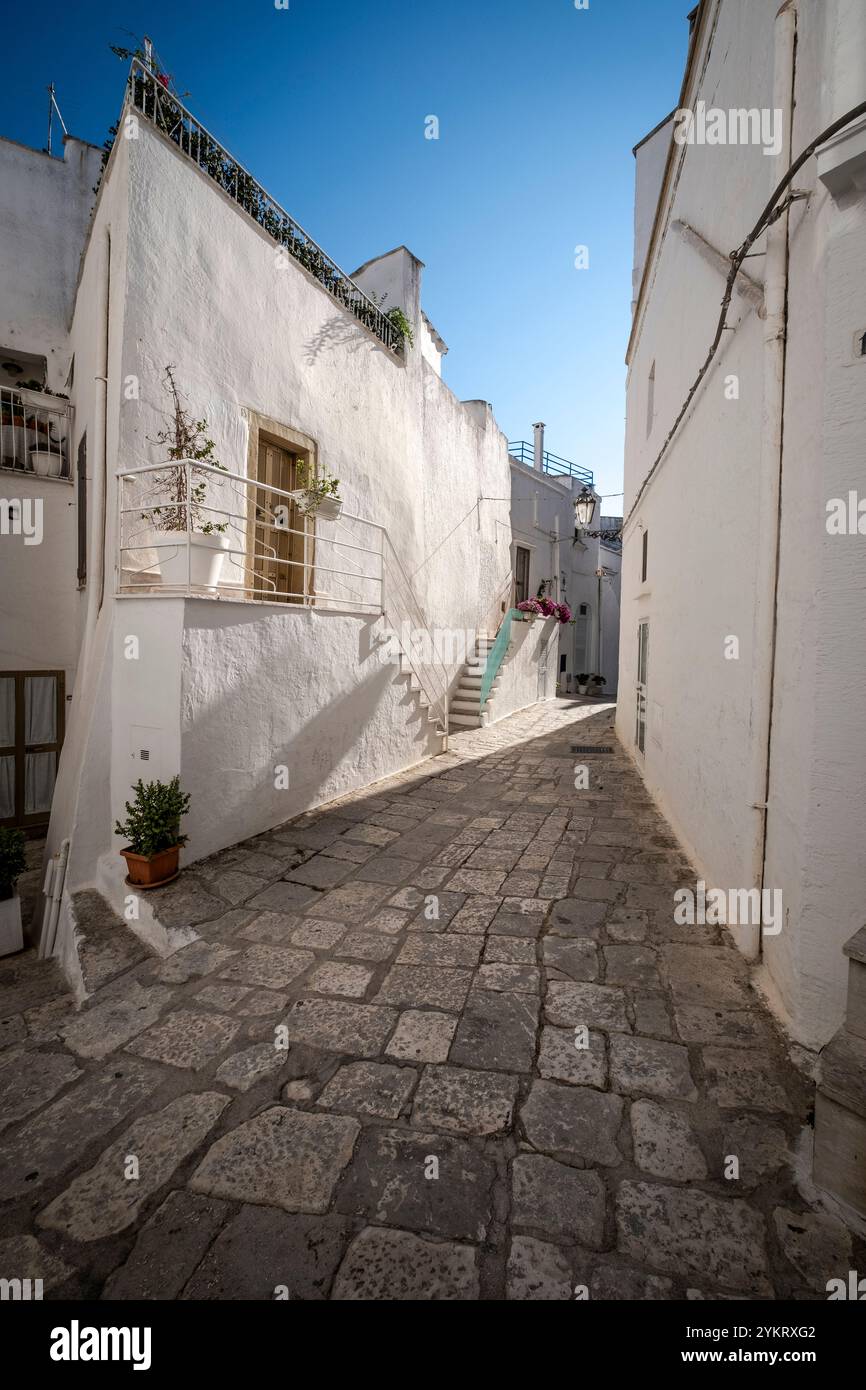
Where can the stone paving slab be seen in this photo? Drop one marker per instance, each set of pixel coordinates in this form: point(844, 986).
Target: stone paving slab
point(109, 1197)
point(384, 1264)
point(283, 1157)
point(441, 1039)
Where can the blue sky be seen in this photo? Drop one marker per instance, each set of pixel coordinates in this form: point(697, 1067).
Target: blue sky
point(539, 105)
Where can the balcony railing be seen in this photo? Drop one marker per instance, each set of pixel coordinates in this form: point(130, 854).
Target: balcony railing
point(524, 452)
point(34, 432)
point(189, 529)
point(152, 99)
point(192, 529)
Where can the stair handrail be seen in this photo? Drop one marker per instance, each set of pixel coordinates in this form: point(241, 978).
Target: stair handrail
point(431, 675)
point(496, 655)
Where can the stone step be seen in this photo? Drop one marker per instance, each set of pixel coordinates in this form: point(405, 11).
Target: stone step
point(466, 721)
point(105, 943)
point(843, 1071)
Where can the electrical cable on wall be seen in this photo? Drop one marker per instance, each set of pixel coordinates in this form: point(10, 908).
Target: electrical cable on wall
point(770, 214)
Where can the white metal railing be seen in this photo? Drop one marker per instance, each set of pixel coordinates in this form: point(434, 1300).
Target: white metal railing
point(193, 529)
point(403, 610)
point(152, 99)
point(34, 432)
point(190, 528)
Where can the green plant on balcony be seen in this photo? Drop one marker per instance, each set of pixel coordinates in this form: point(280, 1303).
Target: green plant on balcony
point(319, 492)
point(398, 320)
point(184, 438)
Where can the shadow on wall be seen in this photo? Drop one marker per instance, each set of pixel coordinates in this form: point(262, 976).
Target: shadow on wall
point(335, 333)
point(259, 746)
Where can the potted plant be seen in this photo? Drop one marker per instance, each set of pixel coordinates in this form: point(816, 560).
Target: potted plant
point(12, 866)
point(530, 609)
point(181, 515)
point(318, 494)
point(47, 462)
point(597, 682)
point(152, 827)
point(583, 682)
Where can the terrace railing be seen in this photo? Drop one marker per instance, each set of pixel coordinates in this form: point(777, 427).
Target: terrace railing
point(34, 432)
point(524, 452)
point(496, 655)
point(189, 529)
point(149, 96)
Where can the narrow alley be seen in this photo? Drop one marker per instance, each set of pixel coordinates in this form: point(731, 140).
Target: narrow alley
point(438, 1040)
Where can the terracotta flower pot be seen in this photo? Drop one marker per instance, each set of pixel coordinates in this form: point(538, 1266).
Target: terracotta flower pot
point(153, 871)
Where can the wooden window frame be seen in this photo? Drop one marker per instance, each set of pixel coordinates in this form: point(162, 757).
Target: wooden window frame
point(18, 749)
point(528, 552)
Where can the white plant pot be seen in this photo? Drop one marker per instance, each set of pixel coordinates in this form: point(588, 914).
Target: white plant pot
point(11, 935)
point(582, 689)
point(45, 463)
point(202, 569)
point(329, 508)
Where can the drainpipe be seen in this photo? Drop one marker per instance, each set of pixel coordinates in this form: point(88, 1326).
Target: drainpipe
point(770, 485)
point(100, 409)
point(538, 446)
point(599, 575)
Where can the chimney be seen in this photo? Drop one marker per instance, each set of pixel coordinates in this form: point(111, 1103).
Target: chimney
point(538, 449)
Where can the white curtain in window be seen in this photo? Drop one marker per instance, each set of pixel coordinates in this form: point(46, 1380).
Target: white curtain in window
point(7, 788)
point(40, 709)
point(7, 711)
point(39, 771)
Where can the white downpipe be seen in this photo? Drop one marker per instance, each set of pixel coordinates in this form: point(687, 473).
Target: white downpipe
point(55, 881)
point(748, 937)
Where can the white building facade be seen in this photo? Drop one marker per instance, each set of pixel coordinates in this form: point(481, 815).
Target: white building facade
point(554, 556)
point(272, 658)
point(743, 672)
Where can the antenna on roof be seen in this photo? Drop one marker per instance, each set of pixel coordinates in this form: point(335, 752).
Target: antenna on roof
point(52, 107)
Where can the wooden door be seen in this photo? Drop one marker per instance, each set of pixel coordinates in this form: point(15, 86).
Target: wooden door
point(278, 541)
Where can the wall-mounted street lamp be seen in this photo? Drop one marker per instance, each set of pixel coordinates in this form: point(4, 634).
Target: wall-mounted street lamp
point(584, 507)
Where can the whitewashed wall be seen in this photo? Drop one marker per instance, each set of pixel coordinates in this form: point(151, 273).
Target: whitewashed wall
point(223, 693)
point(44, 213)
point(542, 521)
point(701, 512)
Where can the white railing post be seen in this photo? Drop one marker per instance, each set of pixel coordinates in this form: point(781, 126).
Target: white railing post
point(188, 527)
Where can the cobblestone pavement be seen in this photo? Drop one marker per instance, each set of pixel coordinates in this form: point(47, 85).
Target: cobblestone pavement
point(431, 1129)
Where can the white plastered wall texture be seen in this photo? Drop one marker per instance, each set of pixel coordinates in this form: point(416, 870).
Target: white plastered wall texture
point(44, 214)
point(701, 513)
point(225, 692)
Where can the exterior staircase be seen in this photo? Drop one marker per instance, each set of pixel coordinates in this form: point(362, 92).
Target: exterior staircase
point(423, 699)
point(465, 706)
